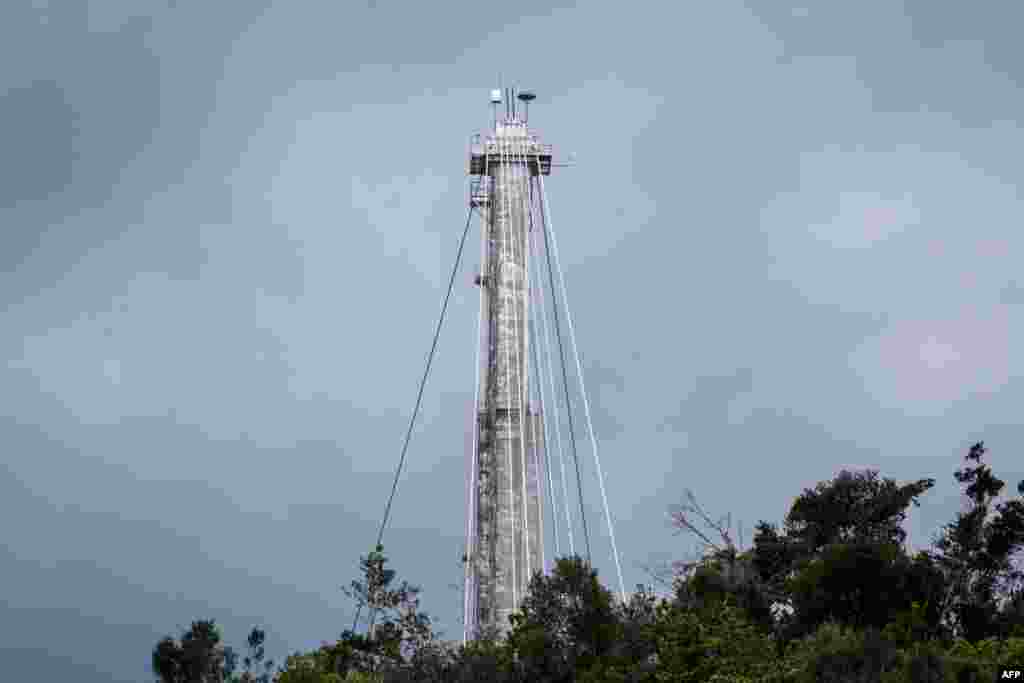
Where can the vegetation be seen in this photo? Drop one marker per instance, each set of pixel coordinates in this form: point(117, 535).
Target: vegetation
point(830, 595)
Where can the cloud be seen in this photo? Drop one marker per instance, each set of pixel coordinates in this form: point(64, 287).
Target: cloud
point(864, 219)
point(923, 367)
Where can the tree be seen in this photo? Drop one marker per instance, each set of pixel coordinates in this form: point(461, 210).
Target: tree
point(255, 659)
point(840, 556)
point(308, 668)
point(483, 659)
point(720, 644)
point(197, 657)
point(1011, 615)
point(977, 548)
point(853, 507)
point(721, 571)
point(635, 646)
point(862, 585)
point(372, 592)
point(397, 629)
point(840, 654)
point(566, 622)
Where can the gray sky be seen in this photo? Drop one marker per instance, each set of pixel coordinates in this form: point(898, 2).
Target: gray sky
point(792, 244)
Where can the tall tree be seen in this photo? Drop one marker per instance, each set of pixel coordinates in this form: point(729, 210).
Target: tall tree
point(977, 548)
point(566, 622)
point(372, 592)
point(397, 629)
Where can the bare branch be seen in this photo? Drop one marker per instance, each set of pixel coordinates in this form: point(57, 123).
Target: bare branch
point(690, 517)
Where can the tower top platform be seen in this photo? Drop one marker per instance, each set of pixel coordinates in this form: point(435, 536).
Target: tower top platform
point(509, 143)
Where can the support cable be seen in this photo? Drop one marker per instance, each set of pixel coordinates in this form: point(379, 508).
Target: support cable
point(522, 186)
point(520, 346)
point(583, 390)
point(550, 495)
point(419, 393)
point(565, 374)
point(539, 372)
point(535, 245)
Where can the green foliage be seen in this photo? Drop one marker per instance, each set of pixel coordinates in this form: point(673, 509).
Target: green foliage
point(840, 557)
point(635, 647)
point(861, 609)
point(718, 644)
point(314, 667)
point(994, 652)
point(839, 654)
point(1010, 620)
point(197, 657)
point(566, 622)
point(854, 507)
point(372, 592)
point(484, 660)
point(718, 579)
point(914, 625)
point(255, 659)
point(975, 550)
point(863, 585)
point(397, 629)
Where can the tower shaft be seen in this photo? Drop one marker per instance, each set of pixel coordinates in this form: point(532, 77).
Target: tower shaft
point(507, 541)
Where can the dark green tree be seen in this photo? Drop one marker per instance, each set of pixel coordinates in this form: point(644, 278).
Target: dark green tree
point(840, 555)
point(255, 659)
point(635, 646)
point(722, 571)
point(397, 629)
point(976, 550)
point(197, 657)
point(854, 507)
point(1010, 620)
point(566, 622)
point(717, 644)
point(863, 585)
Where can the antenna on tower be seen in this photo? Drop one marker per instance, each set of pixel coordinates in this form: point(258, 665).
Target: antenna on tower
point(526, 97)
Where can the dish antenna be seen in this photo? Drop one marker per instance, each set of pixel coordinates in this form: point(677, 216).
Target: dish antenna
point(526, 97)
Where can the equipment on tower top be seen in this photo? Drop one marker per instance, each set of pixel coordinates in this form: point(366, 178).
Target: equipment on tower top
point(526, 97)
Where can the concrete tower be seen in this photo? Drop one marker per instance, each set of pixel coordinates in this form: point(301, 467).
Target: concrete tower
point(506, 521)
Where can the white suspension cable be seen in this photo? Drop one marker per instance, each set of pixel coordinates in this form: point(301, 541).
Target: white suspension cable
point(586, 403)
point(514, 174)
point(554, 393)
point(538, 359)
point(524, 187)
point(547, 496)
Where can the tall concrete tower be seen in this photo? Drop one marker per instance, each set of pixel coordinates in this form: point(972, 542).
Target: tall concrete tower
point(506, 512)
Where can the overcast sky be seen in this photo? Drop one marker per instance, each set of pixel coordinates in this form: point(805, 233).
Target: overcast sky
point(792, 243)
